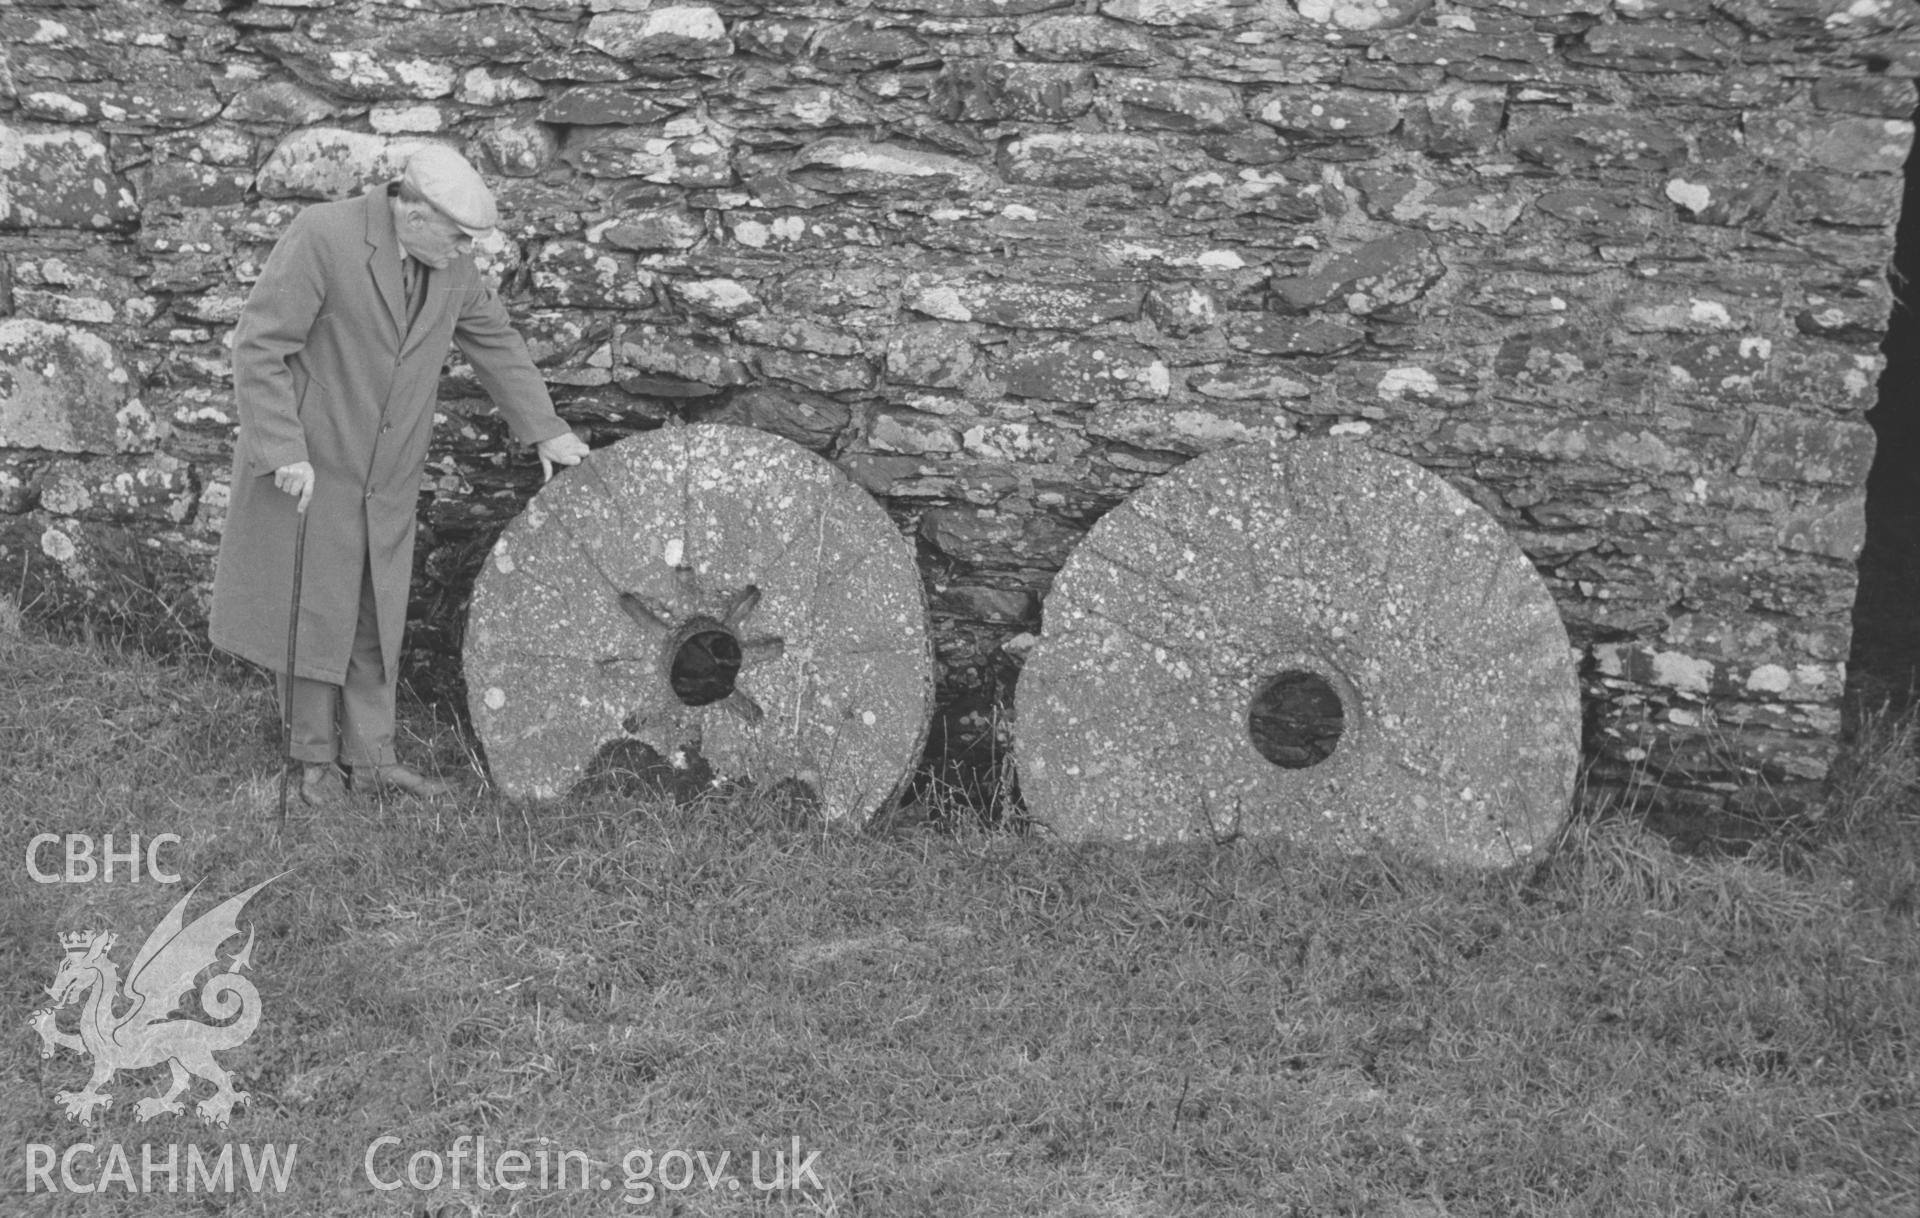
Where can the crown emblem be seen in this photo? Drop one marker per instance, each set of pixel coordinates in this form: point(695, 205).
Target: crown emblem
point(76, 940)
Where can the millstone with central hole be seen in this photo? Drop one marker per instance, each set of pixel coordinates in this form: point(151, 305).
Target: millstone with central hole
point(711, 590)
point(1306, 639)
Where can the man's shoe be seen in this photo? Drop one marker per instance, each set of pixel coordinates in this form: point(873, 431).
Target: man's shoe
point(388, 779)
point(322, 785)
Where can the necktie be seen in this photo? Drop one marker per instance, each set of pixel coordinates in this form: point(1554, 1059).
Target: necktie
point(414, 277)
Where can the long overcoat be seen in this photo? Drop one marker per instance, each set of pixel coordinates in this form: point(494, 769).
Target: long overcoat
point(326, 370)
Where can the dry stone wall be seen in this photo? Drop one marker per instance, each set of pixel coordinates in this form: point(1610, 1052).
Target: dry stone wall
point(1616, 268)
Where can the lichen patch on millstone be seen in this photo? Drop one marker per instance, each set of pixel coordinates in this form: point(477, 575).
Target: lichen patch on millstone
point(1185, 625)
point(765, 543)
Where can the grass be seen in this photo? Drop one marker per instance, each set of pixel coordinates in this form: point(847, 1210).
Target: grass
point(961, 1021)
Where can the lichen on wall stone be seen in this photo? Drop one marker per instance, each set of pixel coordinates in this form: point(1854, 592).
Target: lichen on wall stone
point(64, 389)
point(1615, 268)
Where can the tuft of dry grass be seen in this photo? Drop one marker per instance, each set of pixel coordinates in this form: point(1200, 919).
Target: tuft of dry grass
point(1869, 831)
point(966, 1020)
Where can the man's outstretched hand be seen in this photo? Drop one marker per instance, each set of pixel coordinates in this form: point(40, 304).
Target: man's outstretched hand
point(296, 479)
point(563, 449)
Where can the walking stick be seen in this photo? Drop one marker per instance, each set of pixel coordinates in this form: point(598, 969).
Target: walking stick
point(293, 637)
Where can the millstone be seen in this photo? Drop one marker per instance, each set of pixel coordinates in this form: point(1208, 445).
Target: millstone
point(1307, 639)
point(711, 590)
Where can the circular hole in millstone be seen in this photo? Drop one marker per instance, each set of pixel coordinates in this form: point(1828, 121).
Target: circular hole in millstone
point(704, 664)
point(1295, 719)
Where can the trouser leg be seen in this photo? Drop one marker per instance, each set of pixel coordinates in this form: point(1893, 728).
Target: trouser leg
point(367, 697)
point(312, 706)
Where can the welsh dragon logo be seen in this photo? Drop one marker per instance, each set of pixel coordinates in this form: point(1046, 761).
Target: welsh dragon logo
point(142, 1035)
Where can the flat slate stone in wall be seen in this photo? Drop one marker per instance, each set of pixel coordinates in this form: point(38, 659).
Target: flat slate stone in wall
point(1614, 268)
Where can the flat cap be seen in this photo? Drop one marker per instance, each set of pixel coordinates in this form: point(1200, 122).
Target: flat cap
point(448, 182)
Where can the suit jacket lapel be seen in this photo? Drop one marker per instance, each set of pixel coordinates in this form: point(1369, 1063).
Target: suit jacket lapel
point(383, 259)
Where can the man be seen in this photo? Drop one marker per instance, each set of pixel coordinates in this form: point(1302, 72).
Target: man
point(336, 364)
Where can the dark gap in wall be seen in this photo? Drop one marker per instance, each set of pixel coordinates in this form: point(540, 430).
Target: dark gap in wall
point(1885, 665)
